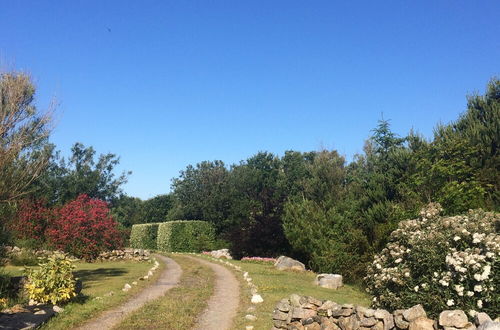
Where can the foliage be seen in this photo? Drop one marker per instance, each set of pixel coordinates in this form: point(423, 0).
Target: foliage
point(128, 211)
point(441, 263)
point(53, 281)
point(143, 236)
point(24, 258)
point(201, 192)
point(23, 135)
point(84, 228)
point(31, 221)
point(324, 237)
point(256, 206)
point(156, 209)
point(185, 236)
point(81, 173)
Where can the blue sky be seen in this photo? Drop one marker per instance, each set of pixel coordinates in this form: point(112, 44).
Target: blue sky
point(165, 84)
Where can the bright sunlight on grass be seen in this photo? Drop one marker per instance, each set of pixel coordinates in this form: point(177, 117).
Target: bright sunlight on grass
point(180, 306)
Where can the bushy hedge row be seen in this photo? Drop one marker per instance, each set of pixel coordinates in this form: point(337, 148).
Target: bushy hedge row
point(143, 236)
point(185, 236)
point(441, 263)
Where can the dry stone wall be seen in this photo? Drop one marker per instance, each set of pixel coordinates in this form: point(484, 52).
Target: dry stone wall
point(303, 312)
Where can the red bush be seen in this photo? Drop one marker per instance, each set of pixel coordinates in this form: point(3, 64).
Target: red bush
point(84, 228)
point(31, 220)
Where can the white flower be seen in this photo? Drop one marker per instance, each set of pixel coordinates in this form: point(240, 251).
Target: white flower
point(470, 293)
point(436, 274)
point(407, 274)
point(472, 313)
point(378, 266)
point(456, 238)
point(450, 302)
point(478, 288)
point(477, 277)
point(398, 260)
point(416, 288)
point(480, 303)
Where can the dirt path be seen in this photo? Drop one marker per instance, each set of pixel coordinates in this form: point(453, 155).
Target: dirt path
point(168, 279)
point(223, 305)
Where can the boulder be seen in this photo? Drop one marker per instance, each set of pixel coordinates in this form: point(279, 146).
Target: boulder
point(222, 253)
point(489, 325)
point(386, 317)
point(480, 318)
point(286, 263)
point(414, 313)
point(421, 323)
point(330, 281)
point(455, 318)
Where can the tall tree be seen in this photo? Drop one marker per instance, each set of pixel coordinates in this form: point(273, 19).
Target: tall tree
point(23, 136)
point(81, 173)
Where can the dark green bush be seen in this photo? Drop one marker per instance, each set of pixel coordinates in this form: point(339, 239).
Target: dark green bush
point(143, 236)
point(185, 236)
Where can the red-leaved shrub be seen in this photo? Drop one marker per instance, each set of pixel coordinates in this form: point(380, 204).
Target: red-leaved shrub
point(84, 228)
point(31, 220)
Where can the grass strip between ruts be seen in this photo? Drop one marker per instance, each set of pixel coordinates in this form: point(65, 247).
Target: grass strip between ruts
point(180, 307)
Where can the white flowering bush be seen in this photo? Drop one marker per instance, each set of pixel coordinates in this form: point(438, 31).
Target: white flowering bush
point(440, 262)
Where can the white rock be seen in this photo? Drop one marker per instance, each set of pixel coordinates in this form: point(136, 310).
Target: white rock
point(57, 309)
point(257, 299)
point(126, 287)
point(251, 317)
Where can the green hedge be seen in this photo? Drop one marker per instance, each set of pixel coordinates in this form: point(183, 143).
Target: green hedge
point(185, 236)
point(143, 236)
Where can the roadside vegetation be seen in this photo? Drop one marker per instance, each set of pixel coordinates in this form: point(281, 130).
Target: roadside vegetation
point(274, 285)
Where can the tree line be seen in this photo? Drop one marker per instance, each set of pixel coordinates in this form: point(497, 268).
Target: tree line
point(316, 206)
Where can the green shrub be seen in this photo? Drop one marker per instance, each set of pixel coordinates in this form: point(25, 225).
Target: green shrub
point(440, 262)
point(143, 236)
point(53, 281)
point(185, 236)
point(24, 258)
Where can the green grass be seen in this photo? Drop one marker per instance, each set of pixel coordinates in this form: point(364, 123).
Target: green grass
point(180, 306)
point(274, 285)
point(98, 280)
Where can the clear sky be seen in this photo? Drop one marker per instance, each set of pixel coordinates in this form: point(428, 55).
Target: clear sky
point(165, 84)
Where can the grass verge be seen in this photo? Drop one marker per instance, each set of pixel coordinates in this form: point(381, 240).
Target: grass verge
point(99, 279)
point(180, 306)
point(274, 285)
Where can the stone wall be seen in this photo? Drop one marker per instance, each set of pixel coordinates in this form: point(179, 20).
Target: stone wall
point(302, 312)
point(125, 254)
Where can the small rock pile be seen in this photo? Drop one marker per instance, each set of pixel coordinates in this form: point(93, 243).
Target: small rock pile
point(303, 312)
point(125, 254)
point(222, 253)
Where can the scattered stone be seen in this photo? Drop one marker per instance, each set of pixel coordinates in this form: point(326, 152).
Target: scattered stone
point(109, 294)
point(421, 323)
point(134, 283)
point(287, 263)
point(414, 313)
point(455, 318)
point(57, 309)
point(302, 313)
point(219, 254)
point(251, 317)
point(150, 273)
point(480, 318)
point(126, 287)
point(256, 299)
point(489, 325)
point(283, 305)
point(249, 327)
point(399, 319)
point(330, 281)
